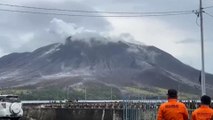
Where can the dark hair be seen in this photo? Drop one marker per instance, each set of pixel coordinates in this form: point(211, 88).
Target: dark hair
point(172, 93)
point(206, 100)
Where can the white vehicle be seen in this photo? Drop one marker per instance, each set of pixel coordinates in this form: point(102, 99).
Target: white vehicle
point(10, 107)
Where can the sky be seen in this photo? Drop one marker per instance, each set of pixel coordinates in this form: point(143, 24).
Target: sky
point(177, 35)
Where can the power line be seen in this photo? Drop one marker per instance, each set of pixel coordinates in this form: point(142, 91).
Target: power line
point(87, 11)
point(207, 7)
point(208, 14)
point(84, 15)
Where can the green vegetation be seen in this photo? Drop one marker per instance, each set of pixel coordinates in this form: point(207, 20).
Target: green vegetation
point(43, 94)
point(93, 91)
point(156, 93)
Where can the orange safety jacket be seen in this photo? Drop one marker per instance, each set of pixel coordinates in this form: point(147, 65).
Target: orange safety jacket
point(172, 110)
point(204, 112)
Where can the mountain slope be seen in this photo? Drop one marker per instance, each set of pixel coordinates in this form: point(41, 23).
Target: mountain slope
point(76, 63)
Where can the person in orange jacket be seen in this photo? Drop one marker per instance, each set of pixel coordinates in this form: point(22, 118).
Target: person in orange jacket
point(172, 110)
point(204, 112)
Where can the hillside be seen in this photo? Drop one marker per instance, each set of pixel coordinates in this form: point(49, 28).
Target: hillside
point(127, 68)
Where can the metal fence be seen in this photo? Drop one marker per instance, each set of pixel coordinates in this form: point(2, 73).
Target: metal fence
point(139, 110)
point(147, 109)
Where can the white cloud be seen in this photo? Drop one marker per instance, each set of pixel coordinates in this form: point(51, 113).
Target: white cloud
point(59, 27)
point(151, 32)
point(64, 29)
point(164, 36)
point(26, 37)
point(24, 32)
point(148, 31)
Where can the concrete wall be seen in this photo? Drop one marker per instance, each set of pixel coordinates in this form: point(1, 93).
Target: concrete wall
point(71, 114)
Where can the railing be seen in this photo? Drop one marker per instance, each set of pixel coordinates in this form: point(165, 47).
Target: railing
point(130, 109)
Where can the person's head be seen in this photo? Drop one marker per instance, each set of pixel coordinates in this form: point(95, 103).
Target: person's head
point(172, 94)
point(205, 100)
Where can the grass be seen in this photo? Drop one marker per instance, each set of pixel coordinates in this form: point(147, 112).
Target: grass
point(93, 91)
point(156, 92)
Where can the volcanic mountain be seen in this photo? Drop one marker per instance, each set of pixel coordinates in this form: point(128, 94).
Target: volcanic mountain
point(78, 63)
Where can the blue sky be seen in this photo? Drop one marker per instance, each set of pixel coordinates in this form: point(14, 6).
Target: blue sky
point(177, 35)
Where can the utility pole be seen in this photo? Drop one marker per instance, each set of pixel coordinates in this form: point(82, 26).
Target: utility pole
point(111, 93)
point(67, 90)
point(178, 90)
point(203, 86)
point(85, 93)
